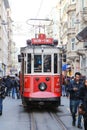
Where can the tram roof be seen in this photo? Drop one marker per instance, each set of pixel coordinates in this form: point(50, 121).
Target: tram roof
point(40, 49)
point(40, 46)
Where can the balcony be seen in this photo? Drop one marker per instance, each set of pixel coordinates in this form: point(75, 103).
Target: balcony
point(71, 7)
point(84, 14)
point(72, 55)
point(84, 44)
point(71, 31)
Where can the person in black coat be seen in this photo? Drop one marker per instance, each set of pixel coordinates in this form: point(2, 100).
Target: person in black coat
point(73, 89)
point(8, 85)
point(14, 85)
point(2, 94)
point(83, 106)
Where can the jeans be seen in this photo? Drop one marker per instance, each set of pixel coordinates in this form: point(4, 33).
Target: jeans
point(73, 108)
point(63, 90)
point(15, 92)
point(1, 105)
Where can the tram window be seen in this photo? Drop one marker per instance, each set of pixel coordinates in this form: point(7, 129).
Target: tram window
point(47, 63)
point(29, 63)
point(55, 63)
point(25, 66)
point(37, 63)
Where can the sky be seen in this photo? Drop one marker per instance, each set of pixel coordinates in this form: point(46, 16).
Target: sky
point(22, 11)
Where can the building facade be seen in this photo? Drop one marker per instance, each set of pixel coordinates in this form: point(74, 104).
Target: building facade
point(6, 42)
point(73, 18)
point(3, 38)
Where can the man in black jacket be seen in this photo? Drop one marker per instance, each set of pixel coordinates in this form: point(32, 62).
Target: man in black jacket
point(73, 90)
point(2, 94)
point(83, 106)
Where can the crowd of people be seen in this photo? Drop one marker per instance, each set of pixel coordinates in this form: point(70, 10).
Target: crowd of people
point(76, 89)
point(9, 86)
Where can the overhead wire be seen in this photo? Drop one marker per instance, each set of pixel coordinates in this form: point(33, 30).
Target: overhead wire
point(38, 12)
point(39, 9)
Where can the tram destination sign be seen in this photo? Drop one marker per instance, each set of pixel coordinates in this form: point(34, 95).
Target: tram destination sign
point(42, 41)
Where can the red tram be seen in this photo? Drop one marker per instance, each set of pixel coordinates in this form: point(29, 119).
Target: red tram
point(40, 75)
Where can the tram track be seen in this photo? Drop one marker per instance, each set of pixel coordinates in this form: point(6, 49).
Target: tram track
point(46, 119)
point(39, 121)
point(33, 125)
point(58, 120)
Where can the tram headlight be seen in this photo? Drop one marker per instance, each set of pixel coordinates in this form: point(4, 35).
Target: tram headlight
point(42, 86)
point(47, 78)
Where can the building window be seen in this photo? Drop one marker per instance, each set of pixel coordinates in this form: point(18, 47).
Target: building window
point(83, 63)
point(73, 20)
point(83, 4)
point(73, 1)
point(73, 44)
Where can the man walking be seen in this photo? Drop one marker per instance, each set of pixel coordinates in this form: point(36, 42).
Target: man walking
point(83, 106)
point(2, 94)
point(74, 89)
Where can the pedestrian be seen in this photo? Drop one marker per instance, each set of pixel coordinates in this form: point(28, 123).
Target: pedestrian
point(8, 85)
point(63, 87)
point(14, 87)
point(73, 90)
point(2, 94)
point(67, 83)
point(18, 86)
point(83, 106)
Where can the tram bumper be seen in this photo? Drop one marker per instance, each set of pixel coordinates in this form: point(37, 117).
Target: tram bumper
point(43, 98)
point(42, 95)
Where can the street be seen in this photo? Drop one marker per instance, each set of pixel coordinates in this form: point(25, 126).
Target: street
point(15, 117)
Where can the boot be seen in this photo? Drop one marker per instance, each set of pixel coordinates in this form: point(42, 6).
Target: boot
point(0, 113)
point(74, 119)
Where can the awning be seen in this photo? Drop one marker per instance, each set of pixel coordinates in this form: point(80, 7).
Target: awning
point(65, 67)
point(82, 36)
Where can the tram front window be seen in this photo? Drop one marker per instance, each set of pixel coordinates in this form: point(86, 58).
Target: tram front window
point(37, 63)
point(47, 63)
point(55, 63)
point(29, 63)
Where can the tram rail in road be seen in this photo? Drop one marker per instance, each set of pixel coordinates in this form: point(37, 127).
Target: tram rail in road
point(55, 117)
